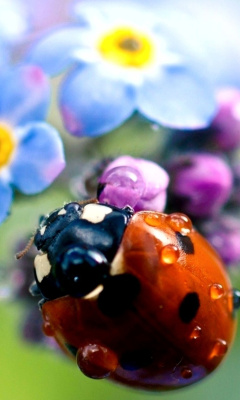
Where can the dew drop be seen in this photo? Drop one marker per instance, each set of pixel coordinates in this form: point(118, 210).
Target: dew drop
point(96, 361)
point(153, 219)
point(196, 333)
point(47, 329)
point(122, 186)
point(219, 349)
point(179, 223)
point(186, 372)
point(216, 291)
point(136, 359)
point(169, 254)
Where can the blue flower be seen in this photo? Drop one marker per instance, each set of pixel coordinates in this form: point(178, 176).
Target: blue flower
point(31, 151)
point(14, 23)
point(126, 59)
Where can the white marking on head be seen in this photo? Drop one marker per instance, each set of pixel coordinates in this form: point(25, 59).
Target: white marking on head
point(62, 211)
point(95, 212)
point(94, 293)
point(117, 265)
point(42, 266)
point(42, 230)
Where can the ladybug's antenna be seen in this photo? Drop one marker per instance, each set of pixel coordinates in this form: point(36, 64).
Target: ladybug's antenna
point(22, 253)
point(88, 201)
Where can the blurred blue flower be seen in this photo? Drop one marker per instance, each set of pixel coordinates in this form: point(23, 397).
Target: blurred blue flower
point(126, 59)
point(14, 23)
point(198, 24)
point(226, 124)
point(31, 151)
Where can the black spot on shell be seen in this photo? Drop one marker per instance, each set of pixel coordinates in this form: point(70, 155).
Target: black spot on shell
point(118, 294)
point(189, 307)
point(135, 360)
point(185, 243)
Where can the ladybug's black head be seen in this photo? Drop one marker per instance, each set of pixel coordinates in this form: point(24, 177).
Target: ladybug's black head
point(78, 243)
point(78, 271)
point(54, 223)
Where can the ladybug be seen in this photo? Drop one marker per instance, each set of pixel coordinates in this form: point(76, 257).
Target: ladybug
point(140, 298)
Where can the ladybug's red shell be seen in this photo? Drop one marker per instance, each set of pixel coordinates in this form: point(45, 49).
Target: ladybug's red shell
point(178, 328)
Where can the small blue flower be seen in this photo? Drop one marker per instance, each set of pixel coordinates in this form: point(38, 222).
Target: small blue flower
point(14, 23)
point(31, 151)
point(126, 59)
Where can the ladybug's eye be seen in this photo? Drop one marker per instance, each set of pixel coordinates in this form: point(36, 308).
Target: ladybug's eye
point(78, 271)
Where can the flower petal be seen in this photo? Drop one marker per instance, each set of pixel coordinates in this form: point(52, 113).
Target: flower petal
point(177, 98)
point(14, 20)
point(6, 195)
point(94, 102)
point(25, 95)
point(157, 203)
point(54, 52)
point(94, 13)
point(4, 57)
point(39, 158)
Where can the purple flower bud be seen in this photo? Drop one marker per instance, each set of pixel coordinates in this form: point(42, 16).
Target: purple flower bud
point(224, 235)
point(138, 183)
point(226, 124)
point(200, 184)
point(235, 196)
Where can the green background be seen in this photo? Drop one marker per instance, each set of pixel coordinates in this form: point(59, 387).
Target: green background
point(32, 372)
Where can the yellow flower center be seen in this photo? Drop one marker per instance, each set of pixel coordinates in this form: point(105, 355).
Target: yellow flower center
point(7, 143)
point(127, 47)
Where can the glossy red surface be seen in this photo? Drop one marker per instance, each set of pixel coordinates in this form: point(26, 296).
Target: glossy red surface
point(162, 341)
